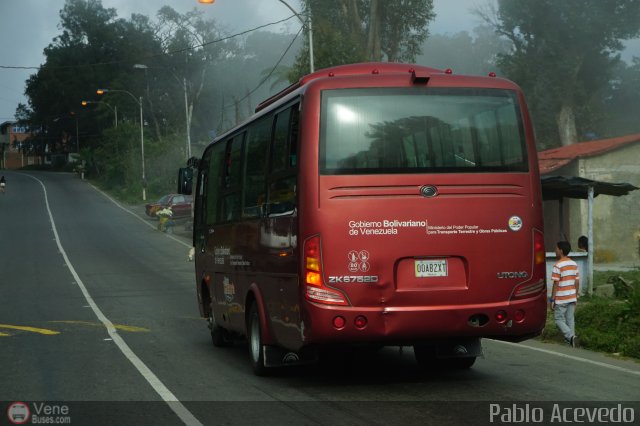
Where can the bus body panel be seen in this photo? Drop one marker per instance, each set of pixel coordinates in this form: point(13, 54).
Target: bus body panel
point(258, 254)
point(467, 225)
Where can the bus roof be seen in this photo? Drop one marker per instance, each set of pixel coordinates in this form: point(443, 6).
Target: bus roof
point(365, 68)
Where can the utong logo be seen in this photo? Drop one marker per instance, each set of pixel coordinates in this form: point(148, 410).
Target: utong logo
point(521, 274)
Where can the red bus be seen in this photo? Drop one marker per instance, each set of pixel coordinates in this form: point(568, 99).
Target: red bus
point(373, 204)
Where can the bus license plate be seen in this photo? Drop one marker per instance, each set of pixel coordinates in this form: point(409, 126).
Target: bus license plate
point(431, 268)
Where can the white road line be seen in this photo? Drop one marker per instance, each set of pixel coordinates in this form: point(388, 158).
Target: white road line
point(575, 358)
point(167, 396)
point(136, 216)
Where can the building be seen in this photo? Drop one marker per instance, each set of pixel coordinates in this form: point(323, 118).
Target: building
point(616, 220)
point(13, 153)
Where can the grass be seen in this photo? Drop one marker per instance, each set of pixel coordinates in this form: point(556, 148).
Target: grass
point(606, 324)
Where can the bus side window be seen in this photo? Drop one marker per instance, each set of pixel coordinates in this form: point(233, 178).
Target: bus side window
point(232, 179)
point(282, 196)
point(213, 182)
point(284, 159)
point(200, 206)
point(285, 140)
point(280, 141)
point(255, 177)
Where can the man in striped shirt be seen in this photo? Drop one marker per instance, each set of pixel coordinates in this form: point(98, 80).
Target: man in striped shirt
point(564, 296)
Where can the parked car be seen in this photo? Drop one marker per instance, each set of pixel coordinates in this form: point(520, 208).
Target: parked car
point(180, 205)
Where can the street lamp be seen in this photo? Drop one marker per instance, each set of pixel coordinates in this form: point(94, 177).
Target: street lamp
point(139, 102)
point(186, 105)
point(306, 22)
point(113, 109)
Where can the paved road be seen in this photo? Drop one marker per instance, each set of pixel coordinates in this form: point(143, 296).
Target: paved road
point(98, 314)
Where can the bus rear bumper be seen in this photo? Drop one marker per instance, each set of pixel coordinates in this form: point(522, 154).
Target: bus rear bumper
point(510, 320)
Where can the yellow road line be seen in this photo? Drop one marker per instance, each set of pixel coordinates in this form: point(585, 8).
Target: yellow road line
point(129, 328)
point(4, 334)
point(31, 329)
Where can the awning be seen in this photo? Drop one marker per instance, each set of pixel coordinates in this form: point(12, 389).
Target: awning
point(560, 187)
point(557, 187)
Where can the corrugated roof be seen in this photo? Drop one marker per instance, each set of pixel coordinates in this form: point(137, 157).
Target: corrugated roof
point(553, 159)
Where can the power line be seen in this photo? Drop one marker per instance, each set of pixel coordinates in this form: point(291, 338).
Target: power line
point(270, 73)
point(10, 67)
point(154, 55)
point(223, 38)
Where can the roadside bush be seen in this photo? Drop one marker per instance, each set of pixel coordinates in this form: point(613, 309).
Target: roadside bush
point(599, 322)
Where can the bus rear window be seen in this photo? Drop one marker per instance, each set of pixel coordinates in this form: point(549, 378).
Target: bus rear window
point(430, 130)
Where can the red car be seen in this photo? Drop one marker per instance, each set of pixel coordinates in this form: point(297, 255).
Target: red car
point(180, 205)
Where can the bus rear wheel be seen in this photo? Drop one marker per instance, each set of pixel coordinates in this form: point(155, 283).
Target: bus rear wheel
point(427, 359)
point(256, 348)
point(459, 363)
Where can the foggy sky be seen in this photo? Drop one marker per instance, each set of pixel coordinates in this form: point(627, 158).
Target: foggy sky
point(28, 26)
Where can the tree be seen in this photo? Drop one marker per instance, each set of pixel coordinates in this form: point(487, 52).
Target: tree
point(563, 52)
point(348, 31)
point(465, 53)
point(181, 53)
point(265, 58)
point(95, 49)
point(621, 102)
point(191, 52)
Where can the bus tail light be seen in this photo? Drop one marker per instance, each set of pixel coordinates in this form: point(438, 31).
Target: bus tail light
point(526, 290)
point(532, 289)
point(360, 322)
point(538, 247)
point(315, 290)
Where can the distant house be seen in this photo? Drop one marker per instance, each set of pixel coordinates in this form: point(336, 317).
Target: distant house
point(616, 220)
point(13, 154)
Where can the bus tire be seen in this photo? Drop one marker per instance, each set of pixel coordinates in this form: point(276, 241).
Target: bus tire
point(459, 363)
point(219, 336)
point(425, 356)
point(427, 359)
point(256, 348)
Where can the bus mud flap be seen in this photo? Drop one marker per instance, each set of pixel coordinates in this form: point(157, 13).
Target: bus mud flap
point(278, 357)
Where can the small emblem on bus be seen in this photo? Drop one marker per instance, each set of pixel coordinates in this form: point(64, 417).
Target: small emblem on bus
point(429, 191)
point(515, 223)
point(358, 260)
